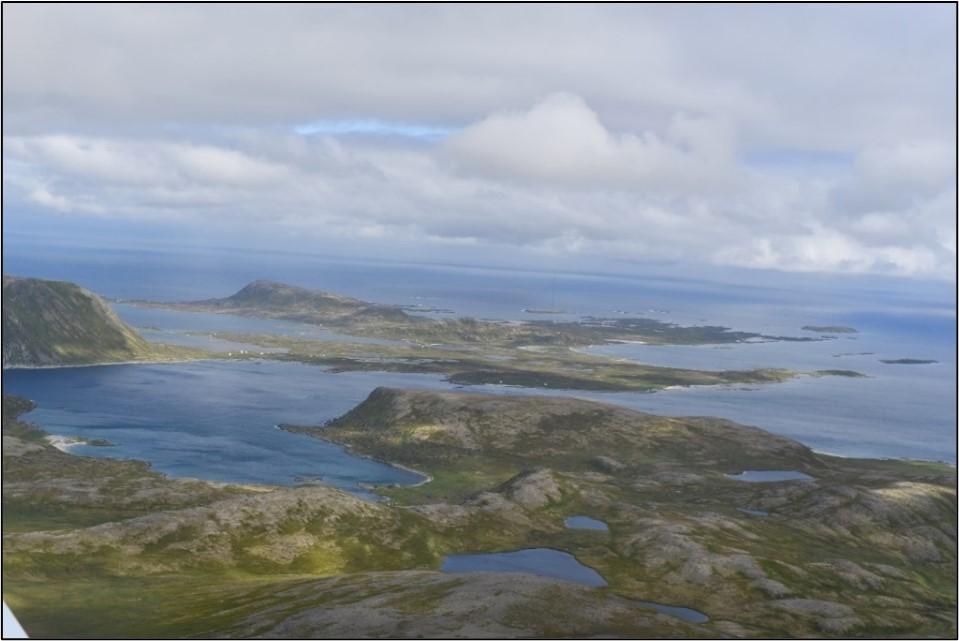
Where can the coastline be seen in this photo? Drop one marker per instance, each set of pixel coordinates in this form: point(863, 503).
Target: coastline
point(64, 443)
point(151, 361)
point(311, 432)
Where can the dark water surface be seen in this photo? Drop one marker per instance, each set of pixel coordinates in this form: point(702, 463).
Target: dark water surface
point(212, 420)
point(540, 561)
point(554, 564)
point(585, 523)
point(900, 412)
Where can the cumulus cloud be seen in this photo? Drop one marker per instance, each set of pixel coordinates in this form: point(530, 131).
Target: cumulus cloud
point(561, 140)
point(629, 132)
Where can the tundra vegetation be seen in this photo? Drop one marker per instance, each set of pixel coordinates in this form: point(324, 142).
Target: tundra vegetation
point(96, 547)
point(49, 323)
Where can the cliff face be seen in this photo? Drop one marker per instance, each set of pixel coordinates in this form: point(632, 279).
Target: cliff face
point(59, 323)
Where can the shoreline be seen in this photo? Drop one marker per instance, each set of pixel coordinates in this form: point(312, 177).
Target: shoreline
point(64, 443)
point(108, 363)
point(885, 458)
point(349, 450)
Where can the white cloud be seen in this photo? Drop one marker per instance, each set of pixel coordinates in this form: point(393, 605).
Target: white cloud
point(45, 198)
point(562, 140)
point(591, 130)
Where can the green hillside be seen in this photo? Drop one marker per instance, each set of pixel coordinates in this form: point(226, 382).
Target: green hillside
point(48, 322)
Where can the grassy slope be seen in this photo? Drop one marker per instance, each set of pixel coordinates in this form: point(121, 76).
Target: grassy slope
point(58, 323)
point(101, 548)
point(869, 548)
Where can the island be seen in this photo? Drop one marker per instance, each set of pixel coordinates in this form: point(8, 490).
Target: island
point(830, 329)
point(270, 299)
point(467, 351)
point(852, 547)
point(76, 327)
point(908, 361)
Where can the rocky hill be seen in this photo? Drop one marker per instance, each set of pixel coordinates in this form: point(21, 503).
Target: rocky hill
point(424, 426)
point(858, 549)
point(48, 322)
point(278, 300)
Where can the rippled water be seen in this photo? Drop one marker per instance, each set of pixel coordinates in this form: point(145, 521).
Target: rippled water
point(894, 411)
point(212, 420)
point(898, 411)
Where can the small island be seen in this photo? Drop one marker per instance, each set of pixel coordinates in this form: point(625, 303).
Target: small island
point(907, 361)
point(830, 329)
point(544, 311)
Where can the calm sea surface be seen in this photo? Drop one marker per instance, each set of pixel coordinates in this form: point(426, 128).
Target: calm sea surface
point(216, 420)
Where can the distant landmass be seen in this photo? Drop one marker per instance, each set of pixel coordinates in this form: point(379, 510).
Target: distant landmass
point(544, 311)
point(830, 329)
point(266, 297)
point(907, 361)
point(47, 323)
point(270, 299)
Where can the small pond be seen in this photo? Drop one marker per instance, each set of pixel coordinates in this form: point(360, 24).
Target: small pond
point(554, 564)
point(585, 523)
point(540, 561)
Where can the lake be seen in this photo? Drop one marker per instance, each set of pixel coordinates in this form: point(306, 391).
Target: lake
point(555, 564)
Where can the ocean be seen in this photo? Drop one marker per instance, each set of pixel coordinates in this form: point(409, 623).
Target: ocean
point(217, 420)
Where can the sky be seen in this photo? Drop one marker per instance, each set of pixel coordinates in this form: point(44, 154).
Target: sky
point(803, 138)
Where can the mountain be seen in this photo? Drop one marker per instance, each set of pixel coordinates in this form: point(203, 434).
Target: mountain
point(48, 322)
point(267, 294)
point(278, 300)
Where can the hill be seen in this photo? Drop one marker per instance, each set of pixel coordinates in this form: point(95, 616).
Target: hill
point(272, 299)
point(48, 322)
point(860, 549)
point(419, 427)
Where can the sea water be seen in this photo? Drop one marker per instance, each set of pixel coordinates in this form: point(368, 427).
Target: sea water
point(906, 411)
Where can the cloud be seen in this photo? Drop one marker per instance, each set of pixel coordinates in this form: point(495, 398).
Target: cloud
point(140, 162)
point(562, 140)
point(644, 132)
point(45, 198)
